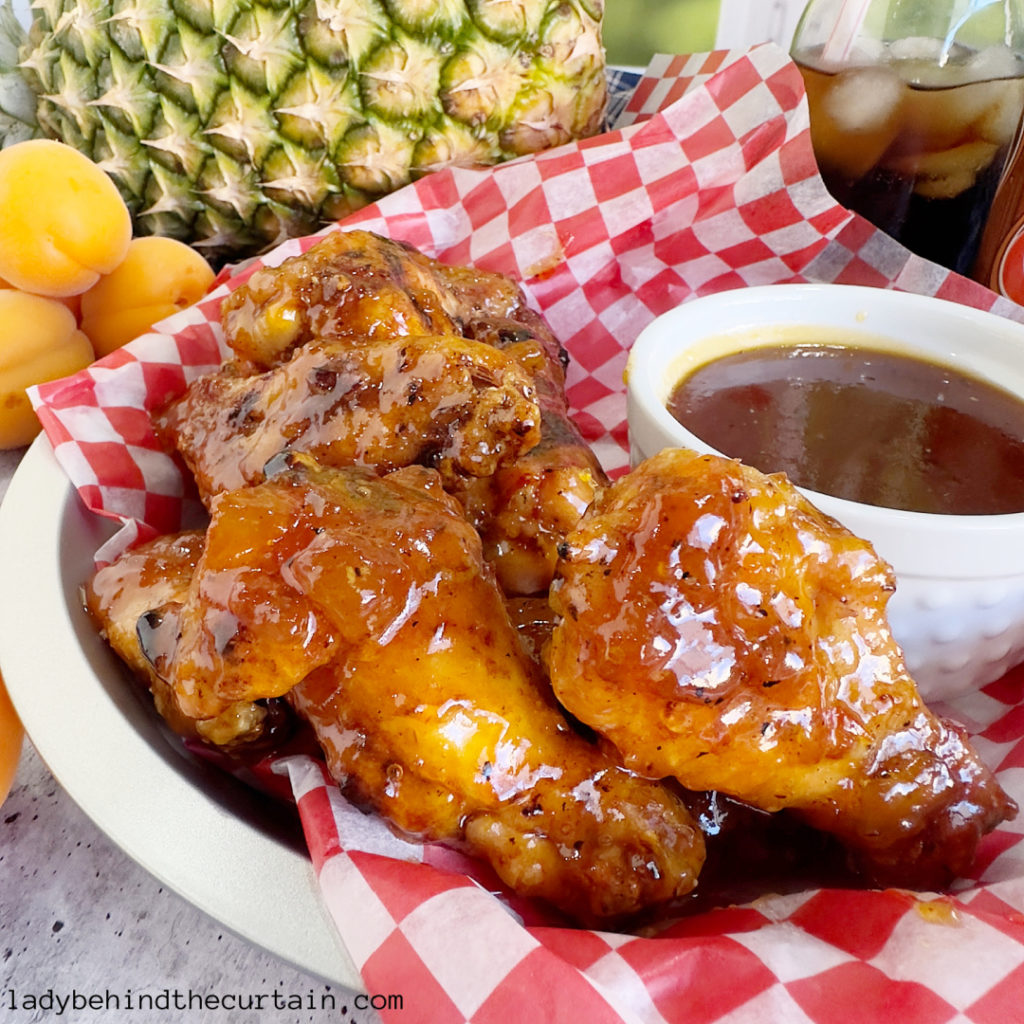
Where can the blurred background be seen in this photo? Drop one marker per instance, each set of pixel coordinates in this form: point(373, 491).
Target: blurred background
point(634, 31)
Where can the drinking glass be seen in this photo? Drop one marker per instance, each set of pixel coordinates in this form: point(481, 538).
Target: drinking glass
point(914, 106)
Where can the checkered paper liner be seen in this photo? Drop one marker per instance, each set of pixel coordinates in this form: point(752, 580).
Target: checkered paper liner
point(705, 182)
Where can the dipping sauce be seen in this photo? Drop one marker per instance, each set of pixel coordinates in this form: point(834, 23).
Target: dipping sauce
point(872, 426)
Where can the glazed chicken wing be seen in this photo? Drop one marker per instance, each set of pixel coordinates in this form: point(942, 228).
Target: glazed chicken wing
point(719, 629)
point(136, 603)
point(354, 284)
point(368, 601)
point(456, 404)
point(349, 284)
point(524, 509)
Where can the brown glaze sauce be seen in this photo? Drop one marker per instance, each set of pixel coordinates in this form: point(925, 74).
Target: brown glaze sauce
point(868, 425)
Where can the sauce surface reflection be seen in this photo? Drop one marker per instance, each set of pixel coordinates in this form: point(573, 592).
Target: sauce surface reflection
point(867, 425)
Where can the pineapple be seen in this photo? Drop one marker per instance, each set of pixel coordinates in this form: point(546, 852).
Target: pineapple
point(233, 124)
point(17, 101)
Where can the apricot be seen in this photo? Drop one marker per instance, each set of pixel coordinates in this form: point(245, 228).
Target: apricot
point(73, 302)
point(39, 341)
point(62, 221)
point(157, 277)
point(11, 738)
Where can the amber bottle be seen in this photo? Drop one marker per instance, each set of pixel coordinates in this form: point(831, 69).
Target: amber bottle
point(1000, 261)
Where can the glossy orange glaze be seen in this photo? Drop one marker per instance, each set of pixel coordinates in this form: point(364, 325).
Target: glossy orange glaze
point(137, 603)
point(718, 628)
point(360, 284)
point(534, 620)
point(460, 406)
point(244, 633)
point(351, 283)
point(151, 580)
point(368, 600)
point(525, 508)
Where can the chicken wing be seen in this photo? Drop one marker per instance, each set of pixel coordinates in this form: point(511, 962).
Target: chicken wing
point(353, 284)
point(136, 603)
point(349, 284)
point(524, 509)
point(367, 600)
point(357, 284)
point(719, 629)
point(459, 405)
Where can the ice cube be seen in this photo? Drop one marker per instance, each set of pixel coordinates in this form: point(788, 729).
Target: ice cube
point(931, 63)
point(999, 123)
point(866, 52)
point(956, 67)
point(921, 49)
point(946, 174)
point(855, 116)
point(939, 119)
point(864, 100)
point(995, 62)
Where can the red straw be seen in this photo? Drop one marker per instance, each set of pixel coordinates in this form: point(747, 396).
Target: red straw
point(840, 41)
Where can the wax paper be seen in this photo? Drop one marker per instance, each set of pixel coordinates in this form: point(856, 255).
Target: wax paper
point(706, 182)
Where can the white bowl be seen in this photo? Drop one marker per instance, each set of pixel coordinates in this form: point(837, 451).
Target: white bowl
point(958, 610)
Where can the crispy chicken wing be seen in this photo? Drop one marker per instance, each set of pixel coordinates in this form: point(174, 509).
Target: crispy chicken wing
point(459, 405)
point(244, 634)
point(136, 603)
point(719, 629)
point(524, 509)
point(349, 284)
point(368, 601)
point(354, 284)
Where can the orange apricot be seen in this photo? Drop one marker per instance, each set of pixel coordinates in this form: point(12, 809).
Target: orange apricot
point(39, 341)
point(73, 302)
point(63, 221)
point(11, 738)
point(157, 277)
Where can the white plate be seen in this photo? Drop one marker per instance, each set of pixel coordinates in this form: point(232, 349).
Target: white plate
point(233, 854)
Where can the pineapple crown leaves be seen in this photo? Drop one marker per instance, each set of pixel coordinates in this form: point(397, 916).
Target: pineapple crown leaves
point(17, 98)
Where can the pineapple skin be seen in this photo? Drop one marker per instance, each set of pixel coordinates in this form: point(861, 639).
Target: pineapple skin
point(233, 124)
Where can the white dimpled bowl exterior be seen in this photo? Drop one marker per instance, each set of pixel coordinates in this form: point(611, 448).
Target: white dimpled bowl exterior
point(958, 610)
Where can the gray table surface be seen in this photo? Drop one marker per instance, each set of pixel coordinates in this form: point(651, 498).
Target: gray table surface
point(79, 918)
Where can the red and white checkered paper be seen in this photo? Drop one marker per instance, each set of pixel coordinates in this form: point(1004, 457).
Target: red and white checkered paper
point(707, 183)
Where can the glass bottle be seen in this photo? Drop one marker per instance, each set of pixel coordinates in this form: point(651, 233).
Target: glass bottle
point(914, 108)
